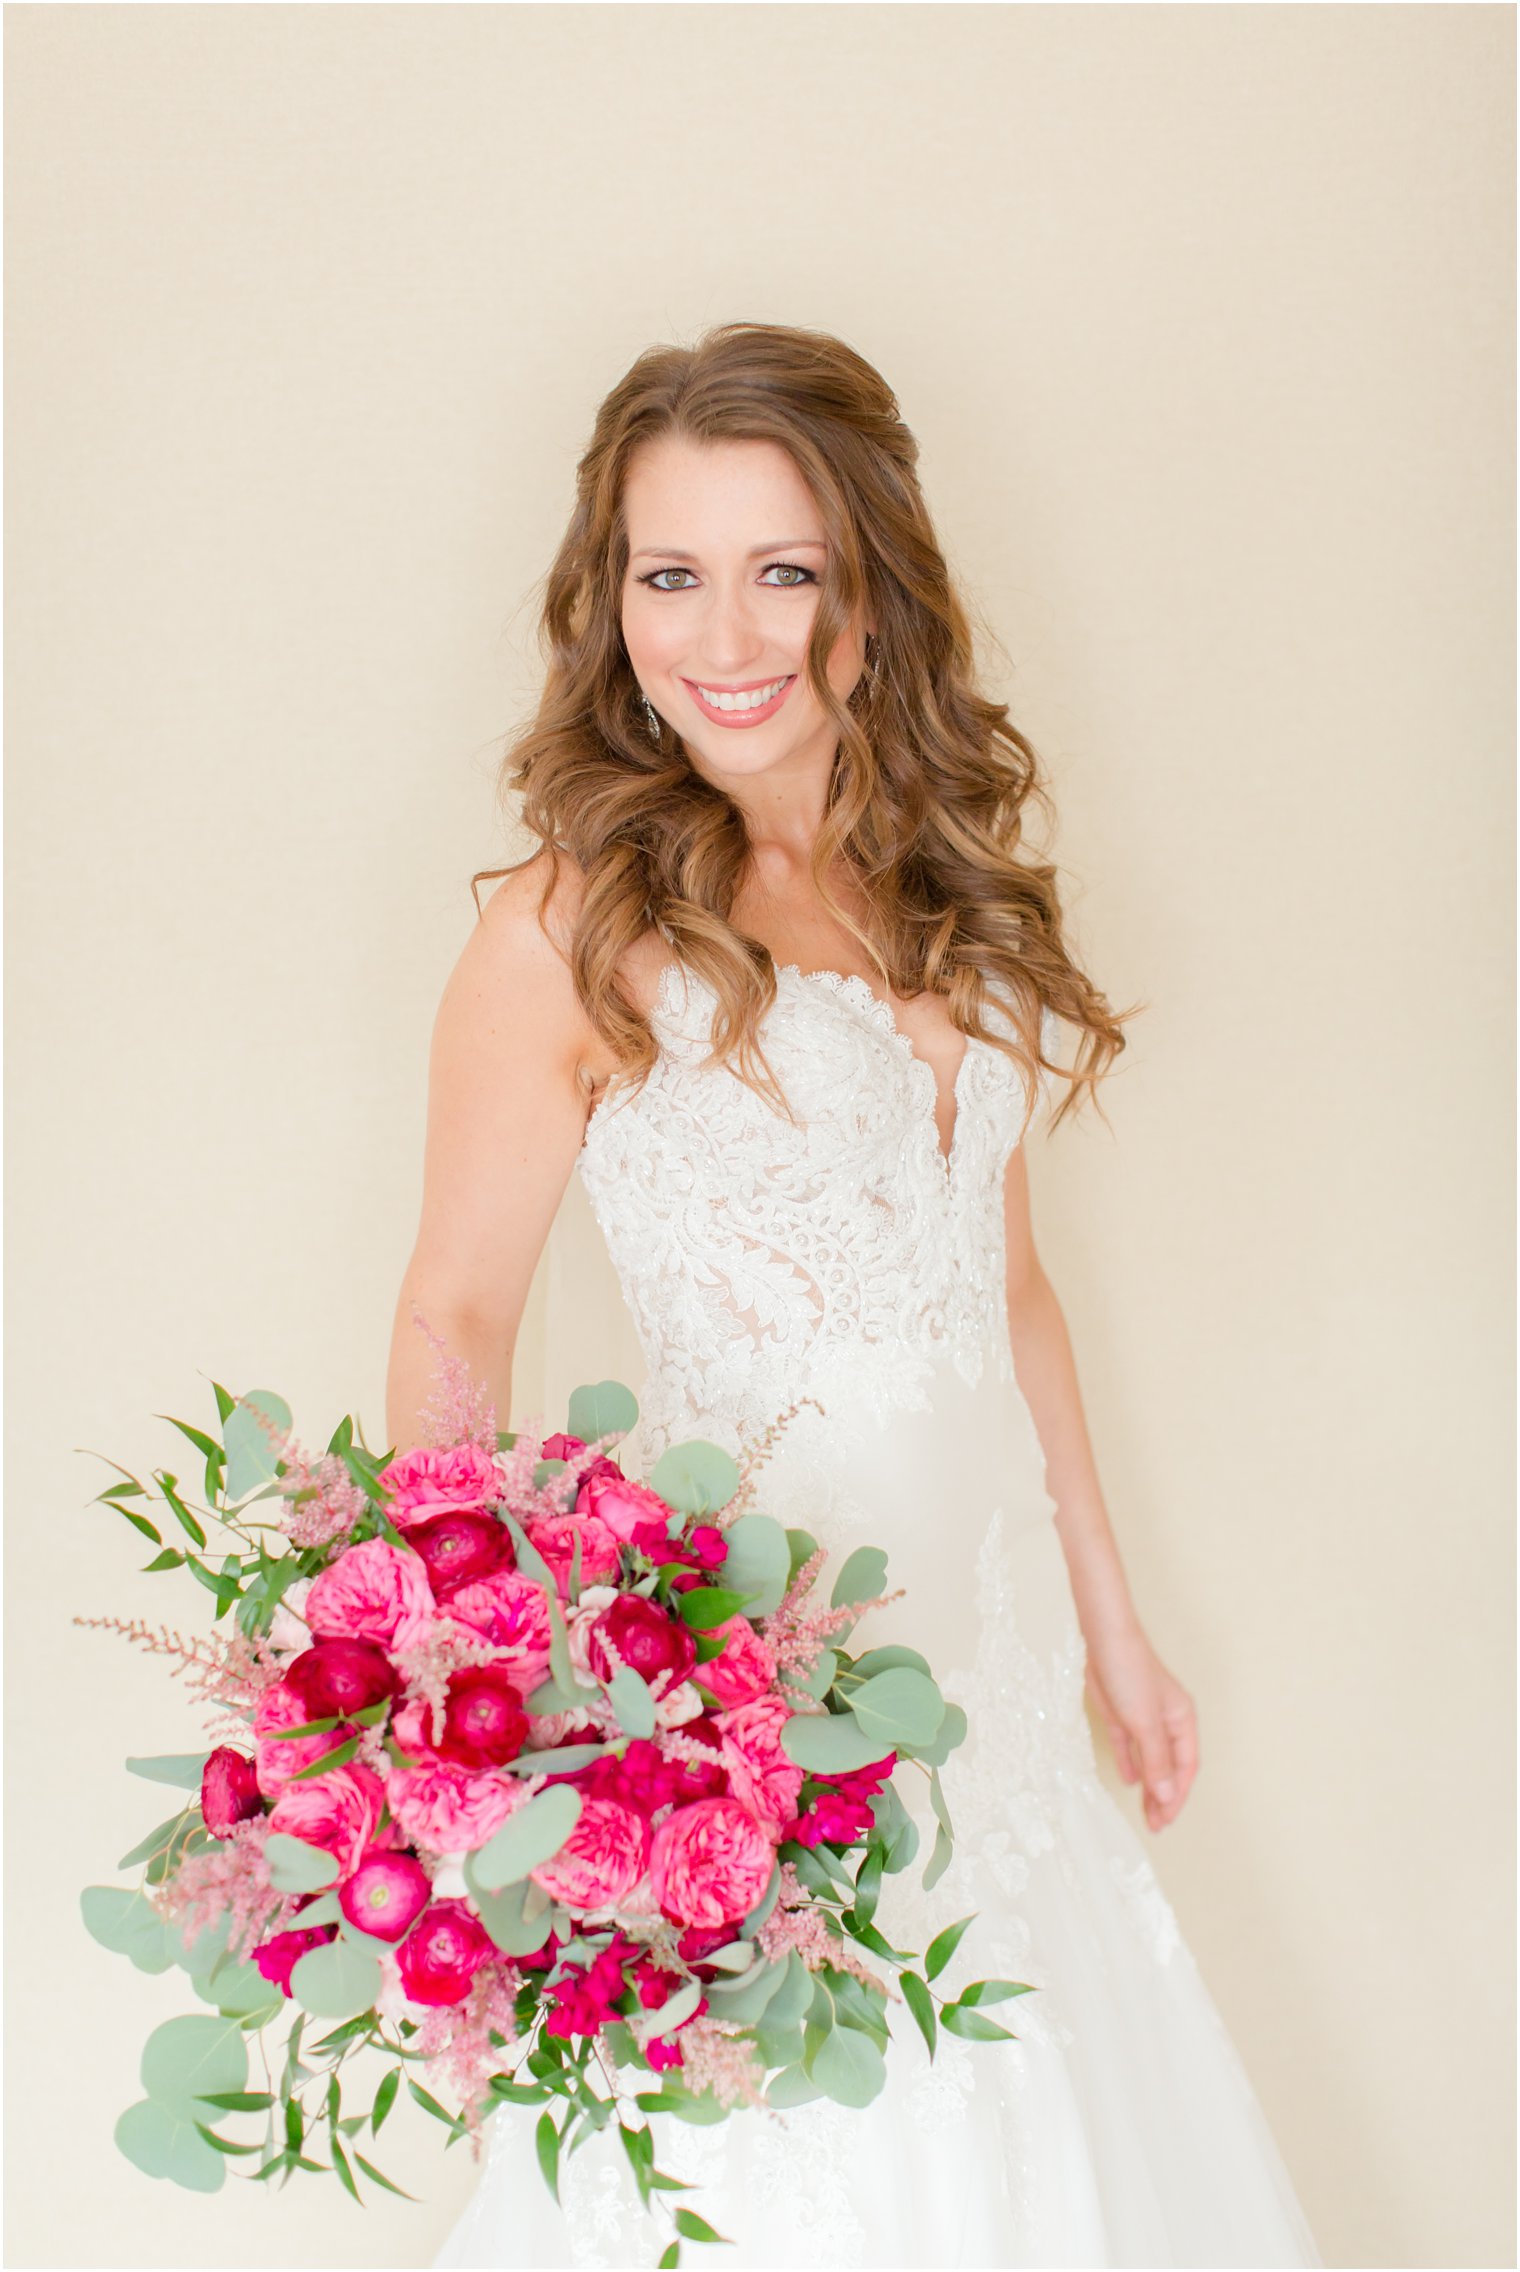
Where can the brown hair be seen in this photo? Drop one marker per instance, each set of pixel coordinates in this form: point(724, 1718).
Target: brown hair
point(926, 804)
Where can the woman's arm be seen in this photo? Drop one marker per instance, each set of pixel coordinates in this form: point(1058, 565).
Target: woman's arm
point(1148, 1714)
point(507, 1108)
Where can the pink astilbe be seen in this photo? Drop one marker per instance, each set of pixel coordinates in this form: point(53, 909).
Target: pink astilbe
point(797, 1639)
point(224, 1669)
point(714, 2057)
point(460, 1409)
point(322, 1500)
point(798, 1922)
point(458, 2036)
point(230, 1879)
point(755, 1457)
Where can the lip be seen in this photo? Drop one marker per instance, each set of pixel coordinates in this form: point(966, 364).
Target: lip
point(740, 718)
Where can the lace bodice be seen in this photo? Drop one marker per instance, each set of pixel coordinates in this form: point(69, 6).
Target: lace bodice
point(837, 1252)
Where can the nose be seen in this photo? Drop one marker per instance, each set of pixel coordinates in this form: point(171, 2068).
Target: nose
point(732, 638)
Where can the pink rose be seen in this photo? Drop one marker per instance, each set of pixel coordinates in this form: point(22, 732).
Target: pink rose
point(746, 1668)
point(759, 1771)
point(512, 1612)
point(229, 1790)
point(602, 1857)
point(278, 1958)
point(710, 1862)
point(341, 1677)
point(339, 1812)
point(386, 1893)
point(449, 1810)
point(614, 1499)
point(442, 1954)
point(659, 1647)
point(555, 1537)
point(374, 1592)
point(276, 1761)
point(439, 1480)
point(458, 1549)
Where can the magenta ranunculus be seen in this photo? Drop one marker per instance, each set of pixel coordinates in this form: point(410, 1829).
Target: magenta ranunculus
point(659, 1647)
point(374, 1592)
point(459, 1549)
point(339, 1812)
point(759, 1771)
point(484, 1724)
point(643, 1778)
point(277, 1759)
point(710, 1862)
point(555, 1537)
point(616, 1500)
point(230, 1791)
point(746, 1668)
point(510, 1611)
point(587, 1996)
point(699, 1779)
point(439, 1480)
point(443, 1952)
point(341, 1677)
point(602, 1857)
point(386, 1893)
point(278, 1958)
point(449, 1810)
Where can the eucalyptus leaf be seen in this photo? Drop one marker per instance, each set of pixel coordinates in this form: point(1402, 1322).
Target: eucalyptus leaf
point(181, 1768)
point(122, 1920)
point(185, 2058)
point(632, 1701)
point(759, 1562)
point(603, 1408)
point(802, 1546)
point(251, 1456)
point(337, 1981)
point(297, 1867)
point(849, 2067)
point(528, 1837)
point(939, 1860)
point(951, 1731)
point(862, 1577)
point(154, 1843)
point(883, 1659)
point(829, 1743)
point(900, 1706)
point(661, 2018)
point(163, 2143)
point(756, 1917)
point(791, 2000)
point(562, 1758)
point(749, 1997)
point(696, 1478)
point(791, 2088)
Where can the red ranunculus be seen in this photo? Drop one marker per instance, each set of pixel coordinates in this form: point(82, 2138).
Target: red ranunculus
point(646, 1637)
point(694, 1780)
point(386, 1894)
point(278, 1958)
point(230, 1791)
point(341, 1677)
point(459, 1549)
point(484, 1724)
point(442, 1954)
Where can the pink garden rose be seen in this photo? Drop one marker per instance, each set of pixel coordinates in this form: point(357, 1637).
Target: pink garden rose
point(230, 1791)
point(602, 1857)
point(439, 1480)
point(659, 1647)
point(339, 1811)
point(759, 1771)
point(450, 1810)
point(510, 1611)
point(341, 1676)
point(386, 1893)
point(276, 1761)
point(374, 1592)
point(278, 1958)
point(443, 1952)
point(457, 1549)
point(616, 1500)
point(555, 1537)
point(746, 1668)
point(710, 1862)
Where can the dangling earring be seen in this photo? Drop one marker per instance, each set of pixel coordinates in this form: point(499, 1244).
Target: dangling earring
point(653, 717)
point(870, 677)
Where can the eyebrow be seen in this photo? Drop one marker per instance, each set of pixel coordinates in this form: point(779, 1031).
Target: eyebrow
point(778, 544)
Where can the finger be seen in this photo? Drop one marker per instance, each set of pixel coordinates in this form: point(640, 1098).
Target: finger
point(1156, 1764)
point(1185, 1761)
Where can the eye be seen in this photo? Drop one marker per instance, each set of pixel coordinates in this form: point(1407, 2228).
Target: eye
point(797, 577)
point(792, 568)
point(656, 586)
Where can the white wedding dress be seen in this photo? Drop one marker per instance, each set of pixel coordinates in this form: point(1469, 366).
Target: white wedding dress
point(846, 1259)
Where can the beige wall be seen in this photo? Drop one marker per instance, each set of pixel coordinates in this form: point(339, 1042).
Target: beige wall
point(1203, 317)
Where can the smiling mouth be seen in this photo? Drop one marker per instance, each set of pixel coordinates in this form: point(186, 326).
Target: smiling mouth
point(744, 706)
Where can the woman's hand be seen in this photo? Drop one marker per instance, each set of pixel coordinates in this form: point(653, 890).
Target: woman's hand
point(1149, 1717)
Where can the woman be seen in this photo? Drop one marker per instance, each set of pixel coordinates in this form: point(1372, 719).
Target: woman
point(780, 985)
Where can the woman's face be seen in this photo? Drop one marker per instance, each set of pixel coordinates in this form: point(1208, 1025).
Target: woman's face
point(726, 559)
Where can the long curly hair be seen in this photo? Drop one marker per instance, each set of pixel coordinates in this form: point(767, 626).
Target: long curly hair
point(925, 810)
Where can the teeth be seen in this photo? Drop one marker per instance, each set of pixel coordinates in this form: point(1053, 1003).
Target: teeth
point(755, 701)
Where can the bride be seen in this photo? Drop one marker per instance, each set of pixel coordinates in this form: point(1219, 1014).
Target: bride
point(781, 985)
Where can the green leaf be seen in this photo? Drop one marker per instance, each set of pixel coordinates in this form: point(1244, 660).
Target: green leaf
point(251, 1459)
point(181, 1768)
point(972, 2025)
point(328, 1761)
point(829, 1743)
point(340, 2164)
point(183, 2059)
point(122, 1920)
point(297, 1867)
point(337, 1981)
point(239, 2102)
point(378, 2177)
point(952, 1731)
point(170, 1495)
point(862, 1577)
point(154, 1843)
point(756, 1917)
point(225, 2145)
point(944, 1945)
point(868, 1884)
point(170, 1559)
point(921, 2004)
point(632, 1701)
point(849, 2067)
point(546, 2143)
point(883, 1660)
point(939, 1860)
point(385, 2099)
point(528, 1837)
point(696, 1478)
point(670, 2256)
point(899, 1706)
point(604, 1408)
point(759, 1562)
point(993, 1991)
point(163, 2143)
point(695, 2227)
point(138, 1522)
point(792, 2087)
point(505, 1916)
point(561, 1758)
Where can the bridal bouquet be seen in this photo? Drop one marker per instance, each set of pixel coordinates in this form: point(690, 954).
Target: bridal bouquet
point(535, 1778)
